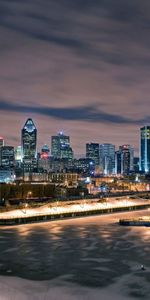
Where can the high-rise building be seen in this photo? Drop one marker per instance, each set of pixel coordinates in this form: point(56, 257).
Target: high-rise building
point(18, 163)
point(18, 153)
point(118, 162)
point(127, 156)
point(60, 146)
point(145, 149)
point(29, 141)
point(29, 147)
point(107, 158)
point(136, 164)
point(44, 159)
point(92, 152)
point(7, 158)
point(85, 166)
point(1, 142)
point(44, 152)
point(66, 152)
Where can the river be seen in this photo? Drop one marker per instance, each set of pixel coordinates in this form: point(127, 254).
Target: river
point(85, 258)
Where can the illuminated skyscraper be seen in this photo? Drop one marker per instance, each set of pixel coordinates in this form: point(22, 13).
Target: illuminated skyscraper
point(1, 142)
point(18, 154)
point(145, 149)
point(127, 155)
point(44, 152)
point(29, 141)
point(60, 146)
point(7, 158)
point(118, 162)
point(92, 152)
point(107, 158)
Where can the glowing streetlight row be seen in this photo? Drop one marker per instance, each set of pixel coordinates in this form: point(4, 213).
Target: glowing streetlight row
point(75, 208)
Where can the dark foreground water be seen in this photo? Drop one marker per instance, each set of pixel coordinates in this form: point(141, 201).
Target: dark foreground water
point(94, 254)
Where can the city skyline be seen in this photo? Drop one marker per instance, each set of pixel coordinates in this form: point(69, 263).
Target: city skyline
point(63, 133)
point(82, 66)
point(74, 149)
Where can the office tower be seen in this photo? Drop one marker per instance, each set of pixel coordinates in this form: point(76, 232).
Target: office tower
point(44, 159)
point(118, 162)
point(127, 155)
point(29, 144)
point(107, 158)
point(44, 152)
point(136, 164)
point(92, 152)
point(66, 152)
point(60, 146)
point(29, 141)
point(18, 153)
point(7, 157)
point(18, 164)
point(1, 141)
point(84, 166)
point(145, 149)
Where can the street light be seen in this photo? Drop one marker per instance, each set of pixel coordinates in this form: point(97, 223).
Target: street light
point(26, 205)
point(55, 207)
point(25, 208)
point(29, 194)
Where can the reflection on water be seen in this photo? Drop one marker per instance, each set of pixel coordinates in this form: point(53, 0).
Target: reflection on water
point(91, 251)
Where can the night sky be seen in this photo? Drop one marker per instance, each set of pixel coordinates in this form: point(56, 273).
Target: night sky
point(82, 66)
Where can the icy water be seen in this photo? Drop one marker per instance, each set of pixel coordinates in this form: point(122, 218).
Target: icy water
point(86, 258)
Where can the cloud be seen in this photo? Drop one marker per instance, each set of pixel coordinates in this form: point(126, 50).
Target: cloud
point(82, 113)
point(59, 57)
point(100, 30)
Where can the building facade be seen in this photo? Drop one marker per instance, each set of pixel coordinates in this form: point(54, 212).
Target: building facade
point(127, 157)
point(7, 157)
point(107, 158)
point(92, 152)
point(29, 140)
point(1, 142)
point(29, 146)
point(60, 146)
point(145, 149)
point(118, 162)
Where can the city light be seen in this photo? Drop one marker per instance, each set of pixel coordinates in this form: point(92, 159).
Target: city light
point(59, 208)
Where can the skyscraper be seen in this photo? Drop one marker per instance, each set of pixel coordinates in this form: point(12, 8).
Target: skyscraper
point(127, 155)
point(7, 157)
point(136, 164)
point(44, 152)
point(145, 149)
point(92, 152)
point(18, 153)
point(84, 166)
point(118, 162)
point(1, 142)
point(29, 144)
point(29, 141)
point(60, 146)
point(107, 158)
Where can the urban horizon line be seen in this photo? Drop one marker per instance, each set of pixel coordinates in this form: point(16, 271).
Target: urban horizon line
point(76, 155)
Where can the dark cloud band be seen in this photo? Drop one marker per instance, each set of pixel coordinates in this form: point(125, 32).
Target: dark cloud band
point(81, 113)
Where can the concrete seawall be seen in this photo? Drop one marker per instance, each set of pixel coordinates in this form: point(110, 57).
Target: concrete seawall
point(52, 217)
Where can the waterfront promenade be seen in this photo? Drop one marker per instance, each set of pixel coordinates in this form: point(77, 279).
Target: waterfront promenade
point(60, 210)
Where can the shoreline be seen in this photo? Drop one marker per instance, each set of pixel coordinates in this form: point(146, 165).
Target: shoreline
point(47, 217)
